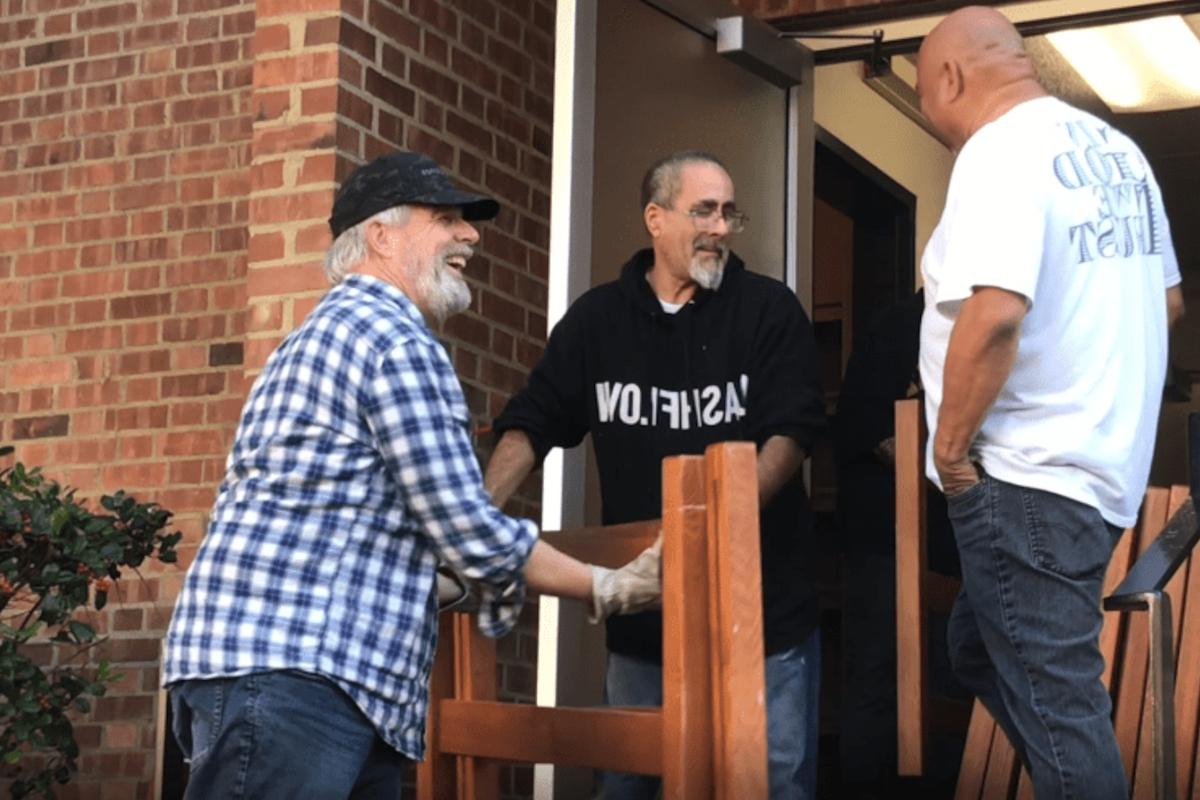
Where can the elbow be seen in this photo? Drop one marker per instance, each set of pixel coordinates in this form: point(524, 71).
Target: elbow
point(996, 313)
point(1175, 306)
point(1007, 319)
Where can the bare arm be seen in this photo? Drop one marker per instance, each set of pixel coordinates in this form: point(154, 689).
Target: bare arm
point(511, 461)
point(550, 571)
point(1175, 308)
point(979, 358)
point(778, 461)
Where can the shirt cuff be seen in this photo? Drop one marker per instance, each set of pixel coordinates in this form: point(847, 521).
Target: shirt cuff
point(500, 607)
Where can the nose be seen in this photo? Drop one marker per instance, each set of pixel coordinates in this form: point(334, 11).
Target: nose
point(467, 233)
point(720, 226)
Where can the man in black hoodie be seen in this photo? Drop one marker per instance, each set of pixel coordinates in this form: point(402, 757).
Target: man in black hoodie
point(688, 348)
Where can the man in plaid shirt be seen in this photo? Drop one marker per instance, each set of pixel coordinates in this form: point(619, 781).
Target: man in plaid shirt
point(299, 653)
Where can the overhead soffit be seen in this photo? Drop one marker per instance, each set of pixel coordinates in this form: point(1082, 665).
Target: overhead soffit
point(1167, 137)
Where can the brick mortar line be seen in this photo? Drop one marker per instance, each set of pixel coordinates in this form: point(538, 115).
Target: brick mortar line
point(56, 329)
point(489, 160)
point(140, 75)
point(117, 213)
point(76, 191)
point(100, 160)
point(447, 71)
point(110, 268)
point(450, 138)
point(136, 53)
point(96, 353)
point(488, 31)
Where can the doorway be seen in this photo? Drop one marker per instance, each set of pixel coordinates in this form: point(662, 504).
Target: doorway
point(863, 271)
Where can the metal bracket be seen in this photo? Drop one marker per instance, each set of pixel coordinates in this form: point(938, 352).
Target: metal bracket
point(756, 46)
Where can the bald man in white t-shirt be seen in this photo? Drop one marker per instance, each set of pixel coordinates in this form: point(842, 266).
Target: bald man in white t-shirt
point(1051, 282)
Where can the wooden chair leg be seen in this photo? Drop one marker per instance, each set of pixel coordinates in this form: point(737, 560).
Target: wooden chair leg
point(912, 704)
point(1143, 778)
point(1187, 682)
point(687, 698)
point(739, 703)
point(975, 754)
point(478, 778)
point(437, 775)
point(1130, 695)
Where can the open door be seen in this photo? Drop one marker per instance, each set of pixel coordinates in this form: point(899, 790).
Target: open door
point(636, 80)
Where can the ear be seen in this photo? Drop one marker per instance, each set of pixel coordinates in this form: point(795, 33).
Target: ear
point(951, 82)
point(652, 217)
point(377, 239)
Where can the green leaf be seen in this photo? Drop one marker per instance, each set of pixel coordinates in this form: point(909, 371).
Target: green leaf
point(12, 756)
point(81, 631)
point(101, 600)
point(59, 518)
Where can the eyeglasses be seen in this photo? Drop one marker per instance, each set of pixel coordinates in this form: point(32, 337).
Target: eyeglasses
point(705, 218)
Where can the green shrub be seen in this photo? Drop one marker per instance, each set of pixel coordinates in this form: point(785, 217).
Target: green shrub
point(57, 557)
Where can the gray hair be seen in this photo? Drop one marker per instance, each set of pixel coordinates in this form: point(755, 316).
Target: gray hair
point(350, 248)
point(661, 182)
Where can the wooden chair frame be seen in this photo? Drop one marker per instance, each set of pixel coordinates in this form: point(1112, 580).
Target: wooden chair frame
point(918, 591)
point(1152, 660)
point(709, 737)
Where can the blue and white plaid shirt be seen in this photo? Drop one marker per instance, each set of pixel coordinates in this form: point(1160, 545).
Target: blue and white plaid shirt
point(351, 475)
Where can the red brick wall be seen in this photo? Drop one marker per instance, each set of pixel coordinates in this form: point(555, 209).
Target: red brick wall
point(166, 169)
point(125, 140)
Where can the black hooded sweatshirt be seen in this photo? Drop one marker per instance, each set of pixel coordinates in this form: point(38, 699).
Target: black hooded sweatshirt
point(738, 363)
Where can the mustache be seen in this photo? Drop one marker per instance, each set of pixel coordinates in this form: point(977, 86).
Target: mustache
point(466, 251)
point(711, 243)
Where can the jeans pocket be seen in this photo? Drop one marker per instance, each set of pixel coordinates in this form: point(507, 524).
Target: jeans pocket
point(967, 499)
point(205, 701)
point(1066, 537)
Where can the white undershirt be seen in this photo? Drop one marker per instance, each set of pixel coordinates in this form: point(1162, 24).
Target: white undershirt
point(669, 308)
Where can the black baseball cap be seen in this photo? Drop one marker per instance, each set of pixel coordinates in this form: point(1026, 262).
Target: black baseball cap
point(399, 178)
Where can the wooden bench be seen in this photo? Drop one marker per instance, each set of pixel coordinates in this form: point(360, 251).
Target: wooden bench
point(990, 768)
point(709, 737)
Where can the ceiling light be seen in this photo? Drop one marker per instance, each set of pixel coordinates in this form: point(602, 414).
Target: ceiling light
point(1148, 65)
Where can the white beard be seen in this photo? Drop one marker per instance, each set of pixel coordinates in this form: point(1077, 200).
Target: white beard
point(444, 291)
point(708, 273)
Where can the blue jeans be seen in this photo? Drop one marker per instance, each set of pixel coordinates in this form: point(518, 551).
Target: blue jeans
point(1024, 630)
point(793, 680)
point(284, 735)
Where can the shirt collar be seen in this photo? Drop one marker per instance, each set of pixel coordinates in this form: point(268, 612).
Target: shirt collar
point(381, 289)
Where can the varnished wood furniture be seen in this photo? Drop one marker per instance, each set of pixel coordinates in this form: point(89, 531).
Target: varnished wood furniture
point(919, 591)
point(709, 738)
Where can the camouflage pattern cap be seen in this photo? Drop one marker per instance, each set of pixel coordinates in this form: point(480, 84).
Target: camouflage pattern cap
point(397, 179)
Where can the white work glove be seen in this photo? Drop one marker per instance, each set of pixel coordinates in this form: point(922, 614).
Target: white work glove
point(637, 586)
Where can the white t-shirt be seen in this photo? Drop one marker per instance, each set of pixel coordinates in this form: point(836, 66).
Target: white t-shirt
point(1054, 204)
